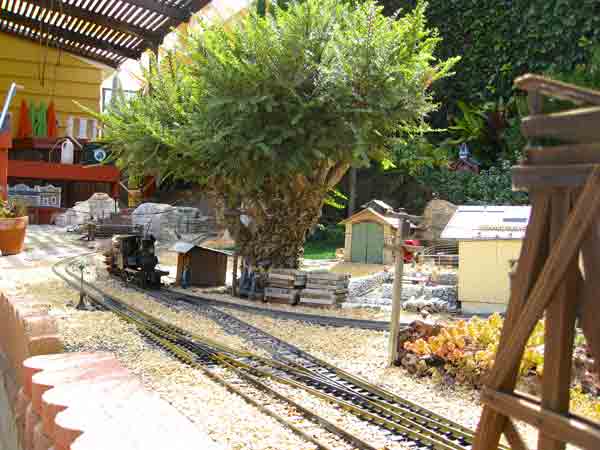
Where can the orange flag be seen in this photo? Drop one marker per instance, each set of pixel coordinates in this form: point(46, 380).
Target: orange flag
point(51, 121)
point(25, 128)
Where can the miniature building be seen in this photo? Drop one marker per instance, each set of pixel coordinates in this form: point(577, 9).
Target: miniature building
point(489, 242)
point(366, 233)
point(208, 267)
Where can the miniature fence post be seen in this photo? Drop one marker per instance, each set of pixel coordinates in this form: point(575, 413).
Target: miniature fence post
point(397, 293)
point(234, 275)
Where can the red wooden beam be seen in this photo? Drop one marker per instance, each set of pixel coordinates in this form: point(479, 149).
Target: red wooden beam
point(5, 144)
point(65, 172)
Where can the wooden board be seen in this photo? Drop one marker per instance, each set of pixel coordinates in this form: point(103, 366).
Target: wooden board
point(570, 428)
point(579, 125)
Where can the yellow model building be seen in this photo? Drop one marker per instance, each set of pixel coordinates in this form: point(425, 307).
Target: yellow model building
point(489, 241)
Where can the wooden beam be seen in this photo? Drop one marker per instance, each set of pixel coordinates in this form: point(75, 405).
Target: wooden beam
point(179, 14)
point(557, 89)
point(564, 428)
point(589, 316)
point(563, 154)
point(68, 172)
point(98, 19)
point(68, 48)
point(514, 438)
point(576, 125)
point(543, 177)
point(560, 328)
point(562, 255)
point(531, 260)
point(58, 32)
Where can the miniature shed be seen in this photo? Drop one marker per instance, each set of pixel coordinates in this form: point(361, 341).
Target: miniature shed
point(489, 242)
point(208, 267)
point(366, 233)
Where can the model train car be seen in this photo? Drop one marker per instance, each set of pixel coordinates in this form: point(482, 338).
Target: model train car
point(132, 258)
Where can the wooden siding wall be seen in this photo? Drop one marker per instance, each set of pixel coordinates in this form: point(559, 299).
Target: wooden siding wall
point(62, 78)
point(483, 274)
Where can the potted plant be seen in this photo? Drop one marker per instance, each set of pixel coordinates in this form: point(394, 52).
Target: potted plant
point(13, 226)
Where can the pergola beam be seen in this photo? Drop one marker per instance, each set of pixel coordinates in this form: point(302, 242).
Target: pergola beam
point(99, 19)
point(58, 32)
point(66, 47)
point(178, 14)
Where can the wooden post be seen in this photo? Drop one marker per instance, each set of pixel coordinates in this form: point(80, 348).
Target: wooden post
point(397, 293)
point(234, 275)
point(3, 173)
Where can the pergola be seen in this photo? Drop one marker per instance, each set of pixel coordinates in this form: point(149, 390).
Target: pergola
point(107, 31)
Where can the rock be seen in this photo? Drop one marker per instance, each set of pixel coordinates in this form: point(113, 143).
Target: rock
point(359, 287)
point(423, 329)
point(410, 362)
point(433, 361)
point(153, 217)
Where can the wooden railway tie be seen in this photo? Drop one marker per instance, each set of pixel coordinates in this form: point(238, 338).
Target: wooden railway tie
point(558, 272)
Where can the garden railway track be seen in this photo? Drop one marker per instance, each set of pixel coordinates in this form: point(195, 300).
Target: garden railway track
point(328, 321)
point(400, 420)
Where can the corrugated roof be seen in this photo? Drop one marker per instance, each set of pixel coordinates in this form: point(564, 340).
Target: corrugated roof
point(487, 222)
point(108, 31)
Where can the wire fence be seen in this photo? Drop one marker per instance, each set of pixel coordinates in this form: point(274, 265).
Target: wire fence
point(441, 254)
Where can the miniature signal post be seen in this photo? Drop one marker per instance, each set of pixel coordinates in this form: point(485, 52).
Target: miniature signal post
point(402, 232)
point(564, 230)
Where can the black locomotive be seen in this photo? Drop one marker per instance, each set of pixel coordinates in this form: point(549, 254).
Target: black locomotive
point(132, 258)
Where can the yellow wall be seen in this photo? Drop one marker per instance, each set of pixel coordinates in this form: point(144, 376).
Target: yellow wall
point(483, 273)
point(66, 78)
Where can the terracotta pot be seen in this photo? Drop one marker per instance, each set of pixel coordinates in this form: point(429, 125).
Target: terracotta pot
point(12, 235)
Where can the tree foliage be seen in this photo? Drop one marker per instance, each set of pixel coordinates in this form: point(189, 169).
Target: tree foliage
point(269, 113)
point(489, 187)
point(500, 40)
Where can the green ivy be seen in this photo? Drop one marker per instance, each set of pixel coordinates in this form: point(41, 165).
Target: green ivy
point(502, 39)
point(490, 187)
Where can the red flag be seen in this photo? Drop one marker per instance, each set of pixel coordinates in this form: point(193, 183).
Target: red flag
point(25, 128)
point(51, 121)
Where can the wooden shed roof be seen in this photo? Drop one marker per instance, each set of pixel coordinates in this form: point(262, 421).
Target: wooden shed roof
point(185, 247)
point(107, 31)
point(372, 215)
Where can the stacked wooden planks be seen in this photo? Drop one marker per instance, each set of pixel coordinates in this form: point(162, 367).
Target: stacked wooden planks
point(284, 285)
point(325, 289)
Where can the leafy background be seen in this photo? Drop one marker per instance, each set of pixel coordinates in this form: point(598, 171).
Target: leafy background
point(497, 40)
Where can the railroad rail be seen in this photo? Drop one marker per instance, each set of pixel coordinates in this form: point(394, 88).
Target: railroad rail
point(399, 419)
point(328, 321)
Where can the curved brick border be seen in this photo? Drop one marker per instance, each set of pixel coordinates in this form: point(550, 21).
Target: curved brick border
point(80, 401)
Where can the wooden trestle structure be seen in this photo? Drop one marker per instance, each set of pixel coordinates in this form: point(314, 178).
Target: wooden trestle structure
point(558, 273)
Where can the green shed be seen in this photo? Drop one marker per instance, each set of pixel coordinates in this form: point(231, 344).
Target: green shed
point(366, 233)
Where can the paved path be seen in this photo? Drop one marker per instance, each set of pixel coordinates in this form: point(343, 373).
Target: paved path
point(45, 245)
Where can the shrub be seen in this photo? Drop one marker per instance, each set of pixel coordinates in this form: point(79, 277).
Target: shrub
point(12, 209)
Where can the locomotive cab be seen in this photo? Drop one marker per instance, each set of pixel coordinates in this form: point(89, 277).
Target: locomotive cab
point(133, 259)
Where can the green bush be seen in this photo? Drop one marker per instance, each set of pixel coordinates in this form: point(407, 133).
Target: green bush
point(330, 233)
point(500, 40)
point(492, 186)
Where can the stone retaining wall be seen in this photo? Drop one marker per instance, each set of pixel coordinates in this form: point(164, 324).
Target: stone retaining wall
point(76, 401)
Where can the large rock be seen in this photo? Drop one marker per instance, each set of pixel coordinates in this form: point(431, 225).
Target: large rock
point(154, 217)
point(98, 206)
point(436, 216)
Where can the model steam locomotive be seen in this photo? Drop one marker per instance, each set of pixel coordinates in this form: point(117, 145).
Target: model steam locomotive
point(133, 259)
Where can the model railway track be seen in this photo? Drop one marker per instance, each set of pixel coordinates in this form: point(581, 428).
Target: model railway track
point(327, 378)
point(399, 419)
point(328, 321)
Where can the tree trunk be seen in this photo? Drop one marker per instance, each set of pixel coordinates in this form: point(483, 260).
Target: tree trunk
point(270, 228)
point(276, 231)
point(352, 196)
